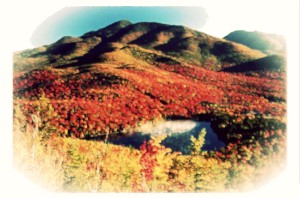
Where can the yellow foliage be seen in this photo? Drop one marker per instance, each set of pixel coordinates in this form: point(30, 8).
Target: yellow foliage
point(74, 165)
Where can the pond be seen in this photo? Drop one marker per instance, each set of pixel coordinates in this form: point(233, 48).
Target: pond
point(178, 134)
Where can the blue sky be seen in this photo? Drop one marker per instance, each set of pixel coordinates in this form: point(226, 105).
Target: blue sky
point(75, 21)
point(46, 24)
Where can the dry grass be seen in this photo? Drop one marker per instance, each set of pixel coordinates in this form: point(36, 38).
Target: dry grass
point(31, 157)
point(66, 164)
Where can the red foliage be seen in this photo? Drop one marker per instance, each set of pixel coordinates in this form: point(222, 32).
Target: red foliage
point(98, 102)
point(148, 159)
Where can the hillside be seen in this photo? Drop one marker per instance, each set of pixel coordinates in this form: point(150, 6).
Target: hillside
point(140, 43)
point(267, 43)
point(273, 63)
point(154, 66)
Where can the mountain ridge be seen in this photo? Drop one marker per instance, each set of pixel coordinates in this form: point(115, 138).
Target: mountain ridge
point(129, 42)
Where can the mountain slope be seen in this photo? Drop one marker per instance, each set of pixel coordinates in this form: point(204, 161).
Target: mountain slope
point(142, 43)
point(269, 63)
point(91, 100)
point(267, 43)
point(112, 79)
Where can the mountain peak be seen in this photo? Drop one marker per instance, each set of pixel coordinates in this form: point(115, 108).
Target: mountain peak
point(68, 39)
point(121, 23)
point(148, 43)
point(109, 30)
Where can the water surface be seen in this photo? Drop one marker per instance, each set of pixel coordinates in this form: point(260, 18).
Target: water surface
point(178, 134)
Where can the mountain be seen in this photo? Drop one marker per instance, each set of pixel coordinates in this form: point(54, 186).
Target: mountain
point(143, 43)
point(269, 63)
point(267, 43)
point(116, 78)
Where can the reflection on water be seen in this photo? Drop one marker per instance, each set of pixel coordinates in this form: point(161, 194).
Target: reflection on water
point(178, 135)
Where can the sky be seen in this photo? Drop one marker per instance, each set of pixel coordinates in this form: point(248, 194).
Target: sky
point(48, 23)
point(75, 21)
point(20, 22)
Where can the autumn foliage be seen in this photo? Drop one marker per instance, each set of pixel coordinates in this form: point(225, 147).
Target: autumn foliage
point(73, 104)
point(97, 102)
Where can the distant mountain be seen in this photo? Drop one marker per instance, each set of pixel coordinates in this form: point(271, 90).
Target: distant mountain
point(140, 43)
point(267, 43)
